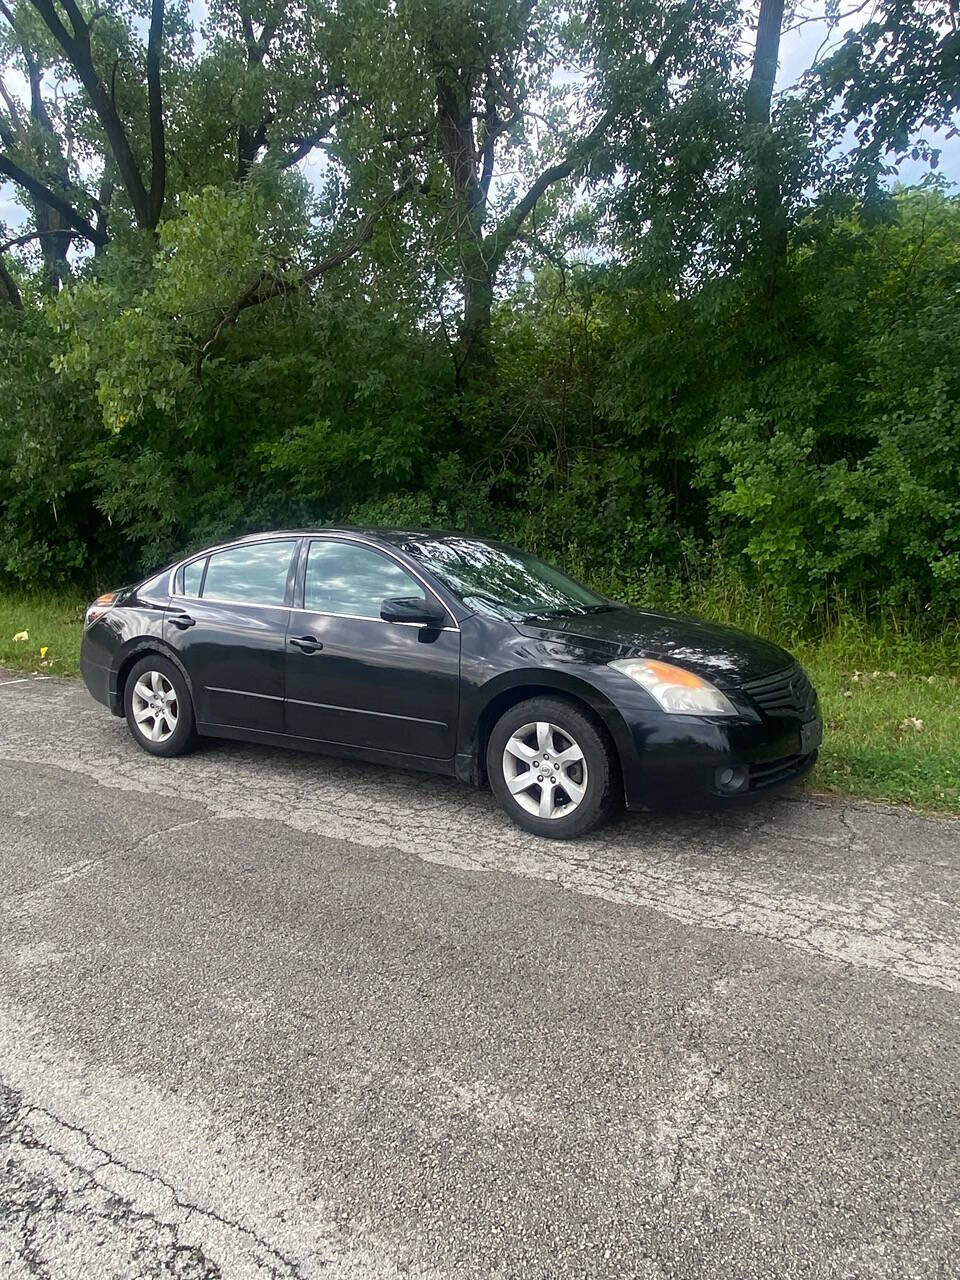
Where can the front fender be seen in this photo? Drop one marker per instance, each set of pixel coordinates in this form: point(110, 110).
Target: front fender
point(482, 707)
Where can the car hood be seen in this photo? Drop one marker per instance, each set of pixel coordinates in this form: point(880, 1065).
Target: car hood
point(723, 655)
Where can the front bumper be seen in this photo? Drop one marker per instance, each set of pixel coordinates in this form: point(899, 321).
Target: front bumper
point(679, 762)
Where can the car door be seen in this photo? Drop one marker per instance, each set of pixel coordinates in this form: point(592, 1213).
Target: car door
point(356, 680)
point(227, 620)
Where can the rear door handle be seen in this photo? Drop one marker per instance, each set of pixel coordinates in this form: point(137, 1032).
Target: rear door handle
point(309, 644)
point(182, 620)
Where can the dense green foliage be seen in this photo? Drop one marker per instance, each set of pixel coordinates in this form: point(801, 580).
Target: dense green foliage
point(812, 443)
point(658, 326)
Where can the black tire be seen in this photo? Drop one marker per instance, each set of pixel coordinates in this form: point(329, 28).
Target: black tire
point(184, 734)
point(600, 794)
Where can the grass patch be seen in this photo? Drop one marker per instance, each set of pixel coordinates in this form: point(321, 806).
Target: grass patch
point(892, 730)
point(53, 625)
point(890, 698)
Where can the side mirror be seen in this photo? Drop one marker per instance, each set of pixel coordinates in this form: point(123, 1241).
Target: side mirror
point(413, 609)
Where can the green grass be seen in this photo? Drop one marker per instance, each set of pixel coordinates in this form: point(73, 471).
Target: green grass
point(52, 622)
point(892, 719)
point(890, 696)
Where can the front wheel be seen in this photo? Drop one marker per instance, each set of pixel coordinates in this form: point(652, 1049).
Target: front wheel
point(158, 707)
point(551, 769)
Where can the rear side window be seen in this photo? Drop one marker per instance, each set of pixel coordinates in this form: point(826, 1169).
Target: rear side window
point(255, 574)
point(353, 581)
point(190, 576)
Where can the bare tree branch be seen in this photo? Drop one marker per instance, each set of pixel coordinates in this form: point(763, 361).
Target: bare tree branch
point(42, 192)
point(499, 240)
point(821, 16)
point(26, 236)
point(301, 149)
point(251, 140)
point(14, 113)
point(302, 146)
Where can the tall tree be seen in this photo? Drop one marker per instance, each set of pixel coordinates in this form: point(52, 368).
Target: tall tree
point(519, 98)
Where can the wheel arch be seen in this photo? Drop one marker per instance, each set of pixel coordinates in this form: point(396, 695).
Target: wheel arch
point(142, 649)
point(501, 695)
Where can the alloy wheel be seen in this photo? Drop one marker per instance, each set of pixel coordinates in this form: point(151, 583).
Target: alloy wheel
point(156, 710)
point(545, 770)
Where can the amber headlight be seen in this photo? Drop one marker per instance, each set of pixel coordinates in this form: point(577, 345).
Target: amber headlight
point(676, 690)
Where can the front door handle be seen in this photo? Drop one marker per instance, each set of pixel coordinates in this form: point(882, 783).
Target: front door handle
point(309, 644)
point(182, 620)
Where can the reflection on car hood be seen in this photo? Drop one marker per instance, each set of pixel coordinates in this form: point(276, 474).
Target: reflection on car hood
point(721, 654)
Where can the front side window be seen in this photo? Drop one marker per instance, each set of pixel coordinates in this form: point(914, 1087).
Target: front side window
point(353, 581)
point(250, 574)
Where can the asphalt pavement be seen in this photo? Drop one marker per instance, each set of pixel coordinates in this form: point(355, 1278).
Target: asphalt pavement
point(265, 1014)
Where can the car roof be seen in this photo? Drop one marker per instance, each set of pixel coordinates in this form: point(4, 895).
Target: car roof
point(379, 533)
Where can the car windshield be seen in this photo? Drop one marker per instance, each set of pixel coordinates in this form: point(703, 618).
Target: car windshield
point(500, 580)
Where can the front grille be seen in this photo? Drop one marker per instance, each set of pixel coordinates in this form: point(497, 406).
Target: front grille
point(788, 690)
point(772, 772)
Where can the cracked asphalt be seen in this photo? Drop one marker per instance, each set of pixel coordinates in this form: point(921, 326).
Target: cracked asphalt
point(275, 1015)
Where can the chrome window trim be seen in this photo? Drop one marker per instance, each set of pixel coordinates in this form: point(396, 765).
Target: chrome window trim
point(320, 613)
point(227, 546)
point(294, 541)
point(240, 604)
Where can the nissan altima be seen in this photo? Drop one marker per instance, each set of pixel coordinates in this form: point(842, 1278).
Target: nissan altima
point(458, 656)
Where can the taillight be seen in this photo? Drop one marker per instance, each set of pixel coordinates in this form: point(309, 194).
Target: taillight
point(99, 607)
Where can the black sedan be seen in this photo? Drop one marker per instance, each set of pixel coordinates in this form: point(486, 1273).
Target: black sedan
point(455, 655)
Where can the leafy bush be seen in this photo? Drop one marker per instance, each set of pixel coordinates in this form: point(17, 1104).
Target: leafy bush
point(839, 462)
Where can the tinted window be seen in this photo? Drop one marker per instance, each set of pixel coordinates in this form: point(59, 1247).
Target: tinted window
point(256, 574)
point(345, 578)
point(189, 578)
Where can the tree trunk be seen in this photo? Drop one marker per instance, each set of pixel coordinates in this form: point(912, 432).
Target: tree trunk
point(472, 356)
point(9, 293)
point(471, 170)
point(55, 235)
point(771, 218)
point(47, 158)
point(476, 370)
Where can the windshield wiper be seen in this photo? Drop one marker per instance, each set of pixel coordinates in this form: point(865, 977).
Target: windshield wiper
point(571, 611)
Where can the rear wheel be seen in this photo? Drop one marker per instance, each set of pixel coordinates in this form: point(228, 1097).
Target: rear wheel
point(551, 769)
point(158, 707)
